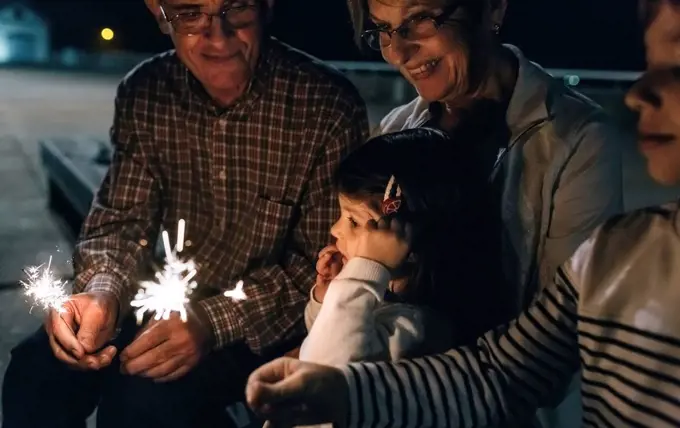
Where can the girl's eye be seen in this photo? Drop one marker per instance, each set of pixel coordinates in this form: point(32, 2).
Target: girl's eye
point(352, 222)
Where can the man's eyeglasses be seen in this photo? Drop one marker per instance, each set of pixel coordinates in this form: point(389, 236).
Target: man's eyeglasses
point(416, 28)
point(236, 15)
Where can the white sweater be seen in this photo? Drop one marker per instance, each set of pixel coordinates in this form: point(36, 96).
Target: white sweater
point(356, 324)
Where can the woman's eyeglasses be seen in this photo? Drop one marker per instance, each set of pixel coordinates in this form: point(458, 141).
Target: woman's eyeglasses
point(416, 28)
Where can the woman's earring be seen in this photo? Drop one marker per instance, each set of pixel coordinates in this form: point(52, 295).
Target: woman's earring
point(496, 28)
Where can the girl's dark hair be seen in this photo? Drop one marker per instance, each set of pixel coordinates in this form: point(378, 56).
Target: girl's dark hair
point(456, 261)
point(439, 188)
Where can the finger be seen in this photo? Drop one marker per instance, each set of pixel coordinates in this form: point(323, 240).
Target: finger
point(164, 369)
point(327, 250)
point(62, 326)
point(276, 384)
point(61, 354)
point(144, 342)
point(274, 371)
point(133, 365)
point(335, 269)
point(323, 263)
point(178, 373)
point(94, 328)
point(101, 359)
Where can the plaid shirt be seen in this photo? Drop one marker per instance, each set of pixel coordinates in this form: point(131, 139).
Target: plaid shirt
point(252, 181)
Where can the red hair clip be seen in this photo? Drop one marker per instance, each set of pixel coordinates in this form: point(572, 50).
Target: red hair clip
point(392, 199)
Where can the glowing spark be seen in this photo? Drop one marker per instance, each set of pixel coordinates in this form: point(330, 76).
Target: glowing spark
point(46, 290)
point(174, 283)
point(237, 292)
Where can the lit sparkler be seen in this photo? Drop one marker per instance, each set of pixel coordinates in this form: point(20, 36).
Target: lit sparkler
point(46, 290)
point(174, 283)
point(237, 292)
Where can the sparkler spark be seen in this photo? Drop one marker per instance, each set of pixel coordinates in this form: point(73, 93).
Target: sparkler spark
point(46, 290)
point(237, 292)
point(174, 283)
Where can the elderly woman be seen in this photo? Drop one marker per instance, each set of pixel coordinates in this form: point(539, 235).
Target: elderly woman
point(556, 163)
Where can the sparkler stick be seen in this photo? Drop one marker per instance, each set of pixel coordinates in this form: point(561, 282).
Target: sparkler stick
point(237, 292)
point(174, 283)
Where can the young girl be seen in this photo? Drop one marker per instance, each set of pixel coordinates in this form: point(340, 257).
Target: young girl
point(417, 177)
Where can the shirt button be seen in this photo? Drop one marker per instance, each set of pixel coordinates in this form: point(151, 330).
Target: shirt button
point(223, 175)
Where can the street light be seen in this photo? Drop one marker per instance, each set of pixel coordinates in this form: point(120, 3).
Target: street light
point(107, 34)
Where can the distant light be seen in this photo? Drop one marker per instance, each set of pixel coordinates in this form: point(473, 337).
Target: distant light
point(4, 50)
point(573, 80)
point(107, 34)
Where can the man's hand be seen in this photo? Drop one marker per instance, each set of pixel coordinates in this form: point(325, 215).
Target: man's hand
point(166, 350)
point(328, 266)
point(386, 241)
point(290, 392)
point(93, 317)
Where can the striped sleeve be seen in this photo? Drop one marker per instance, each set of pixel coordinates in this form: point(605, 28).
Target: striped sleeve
point(502, 378)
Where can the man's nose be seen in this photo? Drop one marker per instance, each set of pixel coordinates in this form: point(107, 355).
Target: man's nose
point(219, 29)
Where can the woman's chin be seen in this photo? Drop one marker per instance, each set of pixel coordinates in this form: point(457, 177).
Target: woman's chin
point(432, 92)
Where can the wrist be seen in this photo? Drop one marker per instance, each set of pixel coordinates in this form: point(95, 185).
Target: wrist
point(107, 299)
point(203, 324)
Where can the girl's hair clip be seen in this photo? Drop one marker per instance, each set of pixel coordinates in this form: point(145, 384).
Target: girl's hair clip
point(392, 200)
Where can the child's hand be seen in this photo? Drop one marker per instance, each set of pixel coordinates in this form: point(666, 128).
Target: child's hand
point(328, 266)
point(386, 241)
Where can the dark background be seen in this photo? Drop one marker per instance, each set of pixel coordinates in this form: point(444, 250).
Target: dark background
point(592, 34)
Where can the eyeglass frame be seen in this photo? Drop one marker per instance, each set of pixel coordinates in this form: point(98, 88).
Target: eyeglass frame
point(438, 21)
point(221, 14)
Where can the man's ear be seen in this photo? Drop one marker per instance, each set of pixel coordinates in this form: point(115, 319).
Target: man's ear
point(154, 7)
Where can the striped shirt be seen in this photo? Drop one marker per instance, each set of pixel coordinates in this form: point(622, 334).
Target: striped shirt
point(613, 310)
point(252, 181)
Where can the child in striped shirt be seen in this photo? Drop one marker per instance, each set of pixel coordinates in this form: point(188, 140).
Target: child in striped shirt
point(613, 311)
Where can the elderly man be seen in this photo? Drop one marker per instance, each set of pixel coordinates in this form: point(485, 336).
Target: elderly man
point(238, 135)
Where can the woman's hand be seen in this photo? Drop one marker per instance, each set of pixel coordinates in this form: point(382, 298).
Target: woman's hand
point(291, 392)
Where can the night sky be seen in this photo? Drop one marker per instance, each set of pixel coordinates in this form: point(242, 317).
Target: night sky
point(595, 34)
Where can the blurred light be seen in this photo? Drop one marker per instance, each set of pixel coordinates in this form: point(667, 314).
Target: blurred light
point(4, 50)
point(107, 34)
point(572, 80)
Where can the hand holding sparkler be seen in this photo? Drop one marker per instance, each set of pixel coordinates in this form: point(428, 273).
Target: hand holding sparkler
point(92, 316)
point(174, 283)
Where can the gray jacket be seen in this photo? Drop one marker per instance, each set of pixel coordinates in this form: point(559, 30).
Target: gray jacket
point(561, 170)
